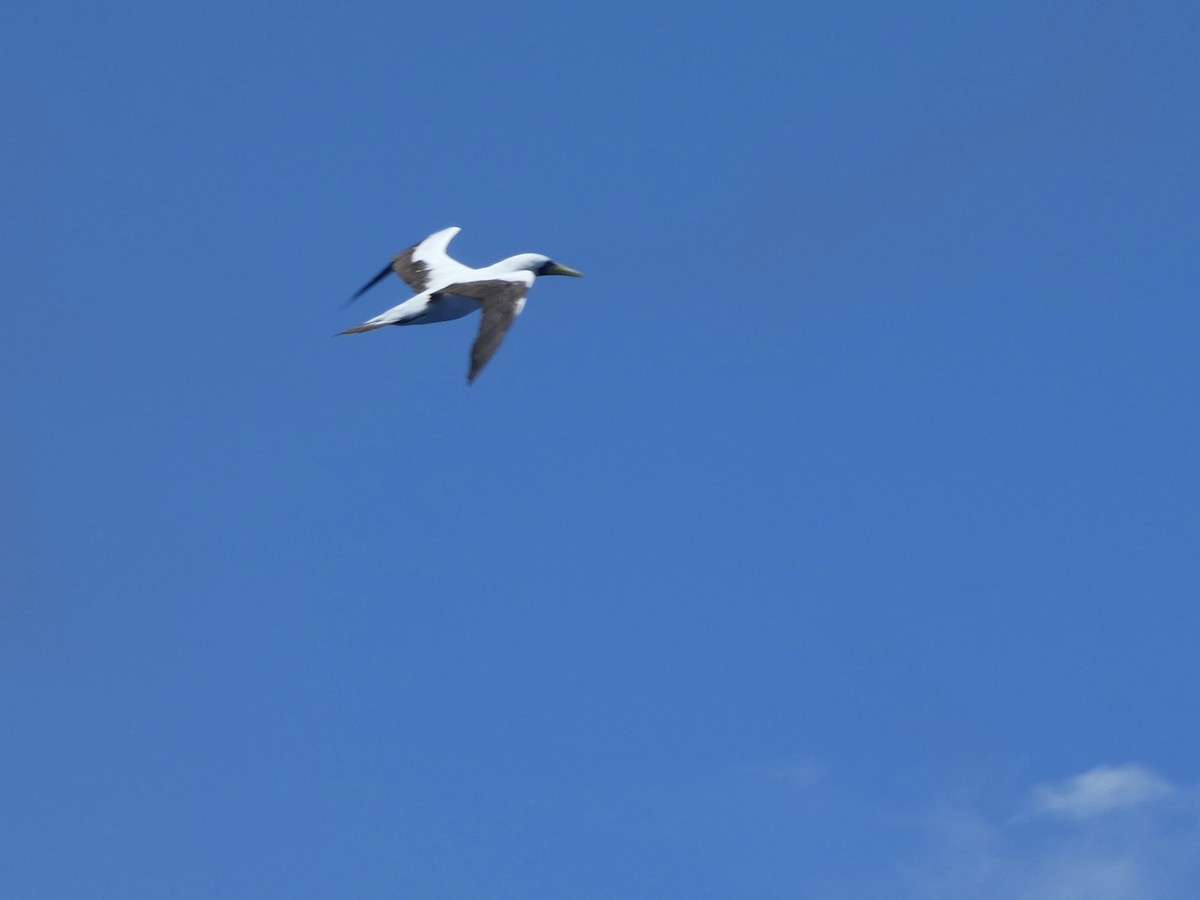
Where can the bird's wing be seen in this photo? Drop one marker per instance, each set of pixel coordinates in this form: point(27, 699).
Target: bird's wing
point(423, 265)
point(502, 300)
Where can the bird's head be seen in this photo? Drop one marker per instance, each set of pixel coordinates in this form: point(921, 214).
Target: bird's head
point(538, 265)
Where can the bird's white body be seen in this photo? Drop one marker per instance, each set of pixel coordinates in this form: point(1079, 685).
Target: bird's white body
point(443, 270)
point(429, 307)
point(446, 289)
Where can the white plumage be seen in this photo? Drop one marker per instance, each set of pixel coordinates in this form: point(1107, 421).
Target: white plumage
point(446, 289)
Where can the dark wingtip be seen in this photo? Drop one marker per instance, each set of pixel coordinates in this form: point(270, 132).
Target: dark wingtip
point(387, 270)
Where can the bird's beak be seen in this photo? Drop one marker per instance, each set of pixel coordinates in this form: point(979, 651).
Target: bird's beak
point(556, 269)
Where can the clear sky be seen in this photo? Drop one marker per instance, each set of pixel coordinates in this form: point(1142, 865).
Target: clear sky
point(836, 537)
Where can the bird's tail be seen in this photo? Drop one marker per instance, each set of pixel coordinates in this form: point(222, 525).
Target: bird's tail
point(365, 326)
point(406, 312)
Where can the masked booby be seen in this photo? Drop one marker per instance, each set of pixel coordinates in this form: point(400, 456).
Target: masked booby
point(446, 289)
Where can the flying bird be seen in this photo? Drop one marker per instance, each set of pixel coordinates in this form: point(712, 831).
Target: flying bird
point(446, 289)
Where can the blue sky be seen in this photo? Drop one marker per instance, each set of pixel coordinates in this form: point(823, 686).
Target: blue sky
point(834, 537)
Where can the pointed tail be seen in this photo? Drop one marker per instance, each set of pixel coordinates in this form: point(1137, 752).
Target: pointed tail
point(365, 326)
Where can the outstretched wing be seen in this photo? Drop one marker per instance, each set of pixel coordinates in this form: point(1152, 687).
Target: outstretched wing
point(423, 266)
point(502, 300)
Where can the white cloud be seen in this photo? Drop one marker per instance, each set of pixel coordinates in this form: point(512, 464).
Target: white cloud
point(1101, 790)
point(1110, 833)
point(1092, 853)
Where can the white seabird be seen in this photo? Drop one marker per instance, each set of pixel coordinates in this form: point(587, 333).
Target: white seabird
point(446, 289)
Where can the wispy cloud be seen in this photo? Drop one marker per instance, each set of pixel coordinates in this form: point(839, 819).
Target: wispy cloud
point(1101, 790)
point(799, 774)
point(1111, 833)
